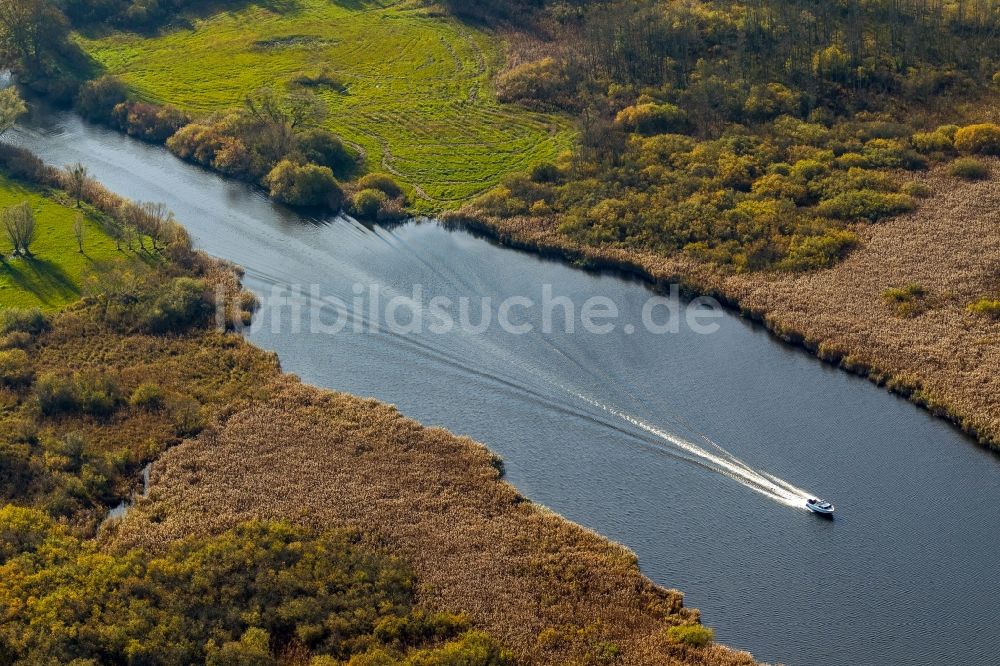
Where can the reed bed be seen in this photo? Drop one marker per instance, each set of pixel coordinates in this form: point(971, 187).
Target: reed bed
point(549, 589)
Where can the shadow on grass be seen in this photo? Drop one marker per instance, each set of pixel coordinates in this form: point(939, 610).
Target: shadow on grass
point(183, 19)
point(44, 279)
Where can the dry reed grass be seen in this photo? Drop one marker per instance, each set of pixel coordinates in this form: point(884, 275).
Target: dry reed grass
point(945, 358)
point(551, 590)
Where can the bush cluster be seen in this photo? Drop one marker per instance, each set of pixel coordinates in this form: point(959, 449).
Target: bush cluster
point(91, 393)
point(541, 84)
point(969, 168)
point(268, 142)
point(908, 301)
point(243, 597)
point(304, 185)
point(784, 200)
point(156, 303)
point(377, 197)
point(694, 635)
point(989, 307)
point(15, 368)
point(983, 139)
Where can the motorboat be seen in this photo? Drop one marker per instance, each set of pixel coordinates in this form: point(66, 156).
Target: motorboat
point(819, 506)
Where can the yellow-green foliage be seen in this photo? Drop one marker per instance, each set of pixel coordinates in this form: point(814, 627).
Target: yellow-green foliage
point(651, 118)
point(175, 383)
point(413, 90)
point(969, 169)
point(15, 369)
point(908, 301)
point(536, 82)
point(983, 138)
point(986, 306)
point(694, 635)
point(241, 597)
point(55, 275)
point(940, 140)
point(746, 201)
point(304, 185)
point(865, 204)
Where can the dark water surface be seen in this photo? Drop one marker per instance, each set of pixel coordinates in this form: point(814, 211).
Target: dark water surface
point(590, 425)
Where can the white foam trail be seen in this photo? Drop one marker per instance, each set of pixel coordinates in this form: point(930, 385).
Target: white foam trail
point(728, 465)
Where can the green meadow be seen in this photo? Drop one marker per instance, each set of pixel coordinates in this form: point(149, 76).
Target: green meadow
point(416, 89)
point(54, 276)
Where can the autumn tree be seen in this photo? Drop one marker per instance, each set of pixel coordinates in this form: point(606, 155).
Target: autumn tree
point(19, 223)
point(78, 179)
point(29, 29)
point(78, 231)
point(11, 108)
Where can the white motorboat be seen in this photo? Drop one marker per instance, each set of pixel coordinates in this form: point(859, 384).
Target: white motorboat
point(819, 506)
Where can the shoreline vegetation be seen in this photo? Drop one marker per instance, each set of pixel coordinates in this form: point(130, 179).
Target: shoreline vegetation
point(249, 464)
point(832, 328)
point(765, 185)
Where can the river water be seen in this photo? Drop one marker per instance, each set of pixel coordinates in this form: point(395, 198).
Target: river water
point(695, 450)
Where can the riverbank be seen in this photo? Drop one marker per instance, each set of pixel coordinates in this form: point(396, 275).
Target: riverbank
point(940, 356)
point(233, 439)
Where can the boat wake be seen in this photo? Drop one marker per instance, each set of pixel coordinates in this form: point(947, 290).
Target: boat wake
point(719, 461)
point(668, 433)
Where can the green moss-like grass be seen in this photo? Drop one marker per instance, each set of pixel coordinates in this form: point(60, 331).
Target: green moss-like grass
point(54, 276)
point(416, 93)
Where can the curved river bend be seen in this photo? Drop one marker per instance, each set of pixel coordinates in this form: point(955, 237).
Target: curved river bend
point(605, 428)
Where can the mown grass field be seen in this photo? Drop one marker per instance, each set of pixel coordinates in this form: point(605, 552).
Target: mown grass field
point(54, 276)
point(417, 94)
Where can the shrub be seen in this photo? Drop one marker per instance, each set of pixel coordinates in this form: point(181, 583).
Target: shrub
point(19, 163)
point(983, 139)
point(540, 83)
point(21, 320)
point(915, 189)
point(368, 203)
point(545, 172)
point(501, 201)
point(182, 303)
point(816, 252)
point(806, 170)
point(147, 396)
point(694, 635)
point(907, 301)
point(196, 143)
point(232, 158)
point(780, 187)
point(324, 148)
point(97, 99)
point(382, 182)
point(651, 118)
point(936, 141)
point(15, 368)
point(986, 306)
point(892, 154)
point(771, 100)
point(969, 169)
point(865, 205)
point(215, 600)
point(186, 415)
point(305, 185)
point(88, 393)
point(149, 122)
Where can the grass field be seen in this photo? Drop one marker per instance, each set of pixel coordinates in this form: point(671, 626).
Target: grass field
point(417, 95)
point(53, 277)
